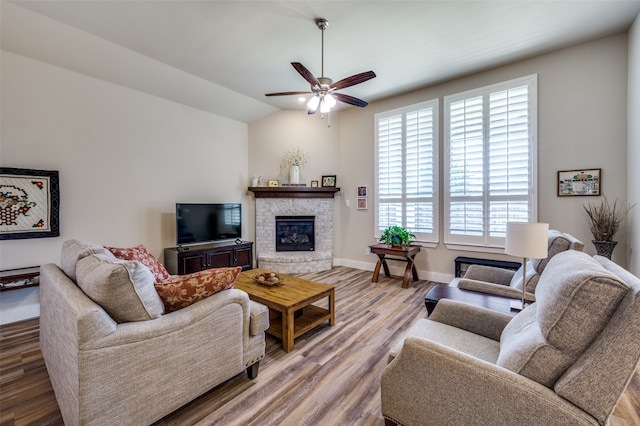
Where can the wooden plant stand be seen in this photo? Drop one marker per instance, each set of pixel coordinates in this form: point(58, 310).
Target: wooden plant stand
point(403, 253)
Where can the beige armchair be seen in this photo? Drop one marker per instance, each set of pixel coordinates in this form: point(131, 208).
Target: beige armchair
point(109, 370)
point(566, 359)
point(507, 283)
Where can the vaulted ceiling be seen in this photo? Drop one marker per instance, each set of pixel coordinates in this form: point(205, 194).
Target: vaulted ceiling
point(223, 56)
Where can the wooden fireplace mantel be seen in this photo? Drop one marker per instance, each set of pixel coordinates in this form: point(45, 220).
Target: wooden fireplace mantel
point(293, 192)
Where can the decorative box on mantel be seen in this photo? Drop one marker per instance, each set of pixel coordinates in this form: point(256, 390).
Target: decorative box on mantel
point(294, 201)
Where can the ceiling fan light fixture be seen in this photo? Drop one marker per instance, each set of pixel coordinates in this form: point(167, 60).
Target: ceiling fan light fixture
point(329, 100)
point(324, 107)
point(312, 105)
point(322, 88)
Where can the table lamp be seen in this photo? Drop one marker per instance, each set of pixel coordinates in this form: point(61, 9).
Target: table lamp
point(526, 240)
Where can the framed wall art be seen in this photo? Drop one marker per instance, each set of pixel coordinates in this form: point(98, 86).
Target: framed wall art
point(273, 183)
point(362, 203)
point(329, 181)
point(579, 182)
point(314, 183)
point(362, 191)
point(29, 203)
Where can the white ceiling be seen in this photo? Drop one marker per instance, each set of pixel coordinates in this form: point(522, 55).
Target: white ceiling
point(223, 56)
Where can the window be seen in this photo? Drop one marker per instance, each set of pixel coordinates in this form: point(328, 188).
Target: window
point(490, 159)
point(407, 170)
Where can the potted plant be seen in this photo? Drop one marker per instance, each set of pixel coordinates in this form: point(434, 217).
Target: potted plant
point(604, 221)
point(396, 236)
point(292, 161)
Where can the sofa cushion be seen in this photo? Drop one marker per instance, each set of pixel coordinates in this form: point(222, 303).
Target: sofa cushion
point(74, 250)
point(123, 288)
point(183, 290)
point(525, 350)
point(575, 299)
point(142, 255)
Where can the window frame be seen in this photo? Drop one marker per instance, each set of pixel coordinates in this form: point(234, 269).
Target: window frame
point(486, 242)
point(424, 239)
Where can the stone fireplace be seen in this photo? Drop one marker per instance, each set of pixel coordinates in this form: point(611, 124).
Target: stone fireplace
point(295, 233)
point(300, 202)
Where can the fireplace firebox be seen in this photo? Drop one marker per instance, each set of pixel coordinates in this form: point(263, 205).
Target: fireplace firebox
point(295, 233)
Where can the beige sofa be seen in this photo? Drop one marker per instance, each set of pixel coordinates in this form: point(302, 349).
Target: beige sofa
point(108, 372)
point(564, 360)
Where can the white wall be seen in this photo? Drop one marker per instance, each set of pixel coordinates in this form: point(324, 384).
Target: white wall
point(633, 158)
point(124, 157)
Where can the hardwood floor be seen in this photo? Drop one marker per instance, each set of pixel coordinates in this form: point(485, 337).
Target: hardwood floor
point(332, 377)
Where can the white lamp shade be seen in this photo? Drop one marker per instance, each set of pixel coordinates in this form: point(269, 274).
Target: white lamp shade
point(527, 239)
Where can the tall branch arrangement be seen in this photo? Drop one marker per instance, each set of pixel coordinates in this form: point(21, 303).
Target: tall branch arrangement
point(605, 219)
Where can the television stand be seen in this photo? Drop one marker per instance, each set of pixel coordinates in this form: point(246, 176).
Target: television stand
point(184, 260)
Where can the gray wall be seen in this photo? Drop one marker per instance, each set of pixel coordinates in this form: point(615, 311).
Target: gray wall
point(582, 123)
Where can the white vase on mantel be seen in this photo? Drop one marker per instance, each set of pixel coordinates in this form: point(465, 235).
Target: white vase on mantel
point(294, 175)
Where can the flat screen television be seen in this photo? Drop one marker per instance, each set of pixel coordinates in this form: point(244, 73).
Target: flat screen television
point(201, 223)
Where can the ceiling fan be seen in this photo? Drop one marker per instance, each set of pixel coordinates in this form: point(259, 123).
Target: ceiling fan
point(323, 88)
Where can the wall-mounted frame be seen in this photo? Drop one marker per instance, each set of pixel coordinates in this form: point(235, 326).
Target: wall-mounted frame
point(362, 191)
point(314, 183)
point(273, 183)
point(362, 203)
point(29, 203)
point(579, 182)
point(329, 181)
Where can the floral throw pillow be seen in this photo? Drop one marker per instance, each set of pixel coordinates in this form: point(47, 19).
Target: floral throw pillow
point(142, 255)
point(180, 291)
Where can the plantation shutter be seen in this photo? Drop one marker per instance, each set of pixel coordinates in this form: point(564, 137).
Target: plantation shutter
point(466, 167)
point(490, 140)
point(406, 176)
point(509, 159)
point(390, 173)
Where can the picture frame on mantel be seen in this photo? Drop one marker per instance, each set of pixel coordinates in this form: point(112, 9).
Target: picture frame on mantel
point(329, 181)
point(585, 182)
point(29, 203)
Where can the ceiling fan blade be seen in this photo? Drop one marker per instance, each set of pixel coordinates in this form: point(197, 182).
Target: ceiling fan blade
point(353, 80)
point(350, 100)
point(313, 81)
point(287, 93)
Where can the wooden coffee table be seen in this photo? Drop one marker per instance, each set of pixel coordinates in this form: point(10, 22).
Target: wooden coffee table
point(291, 313)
